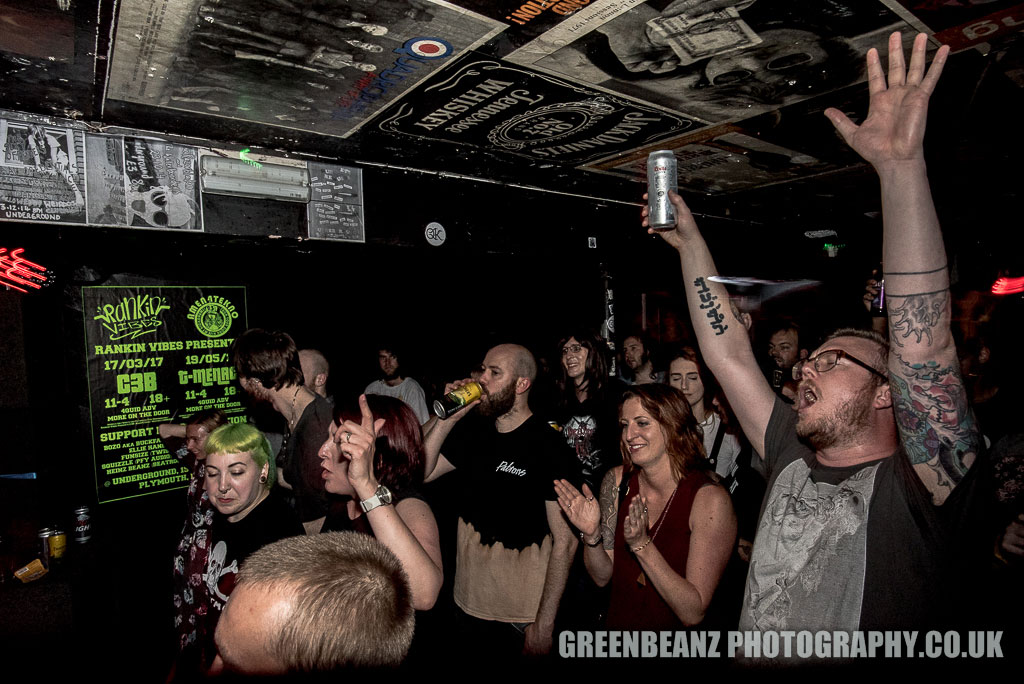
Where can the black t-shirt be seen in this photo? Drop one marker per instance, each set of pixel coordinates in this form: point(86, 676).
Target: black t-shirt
point(591, 429)
point(859, 547)
point(301, 459)
point(508, 478)
point(271, 520)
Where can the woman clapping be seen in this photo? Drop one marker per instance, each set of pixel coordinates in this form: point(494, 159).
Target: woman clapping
point(662, 530)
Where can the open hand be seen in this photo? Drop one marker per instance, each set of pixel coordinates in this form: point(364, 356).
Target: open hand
point(582, 510)
point(894, 128)
point(634, 527)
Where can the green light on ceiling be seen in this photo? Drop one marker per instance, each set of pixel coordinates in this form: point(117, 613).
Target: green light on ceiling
point(244, 156)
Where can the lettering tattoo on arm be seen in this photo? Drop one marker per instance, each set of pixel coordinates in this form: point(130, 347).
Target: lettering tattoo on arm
point(709, 302)
point(916, 315)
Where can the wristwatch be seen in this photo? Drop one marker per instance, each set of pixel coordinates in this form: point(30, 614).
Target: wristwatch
point(382, 497)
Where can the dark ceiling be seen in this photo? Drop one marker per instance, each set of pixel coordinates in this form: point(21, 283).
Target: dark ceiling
point(566, 95)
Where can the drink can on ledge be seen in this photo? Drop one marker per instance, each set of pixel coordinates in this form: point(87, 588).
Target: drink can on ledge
point(83, 525)
point(661, 177)
point(456, 399)
point(44, 536)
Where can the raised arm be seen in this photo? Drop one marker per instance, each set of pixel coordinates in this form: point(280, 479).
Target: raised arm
point(435, 431)
point(723, 339)
point(588, 515)
point(408, 529)
point(935, 422)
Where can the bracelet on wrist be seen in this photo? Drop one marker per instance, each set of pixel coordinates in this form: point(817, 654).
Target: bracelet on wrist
point(597, 542)
point(638, 549)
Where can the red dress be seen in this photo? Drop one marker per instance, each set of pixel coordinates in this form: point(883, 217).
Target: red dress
point(636, 606)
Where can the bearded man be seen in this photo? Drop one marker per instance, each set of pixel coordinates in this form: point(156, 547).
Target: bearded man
point(393, 383)
point(872, 482)
point(514, 546)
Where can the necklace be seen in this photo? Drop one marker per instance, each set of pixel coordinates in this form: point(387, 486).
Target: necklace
point(294, 418)
point(642, 578)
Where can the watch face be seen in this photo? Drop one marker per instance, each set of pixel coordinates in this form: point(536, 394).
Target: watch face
point(384, 494)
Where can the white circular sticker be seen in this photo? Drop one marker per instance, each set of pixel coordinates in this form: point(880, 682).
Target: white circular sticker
point(434, 233)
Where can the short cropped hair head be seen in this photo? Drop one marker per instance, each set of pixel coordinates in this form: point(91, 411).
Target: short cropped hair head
point(784, 325)
point(351, 604)
point(270, 357)
point(524, 365)
point(317, 361)
point(240, 438)
point(881, 362)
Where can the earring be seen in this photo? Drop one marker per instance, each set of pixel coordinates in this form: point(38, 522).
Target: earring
point(263, 479)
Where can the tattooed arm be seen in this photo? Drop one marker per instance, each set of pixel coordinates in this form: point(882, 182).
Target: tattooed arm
point(723, 338)
point(934, 420)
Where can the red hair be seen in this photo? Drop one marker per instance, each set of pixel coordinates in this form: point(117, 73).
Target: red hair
point(398, 462)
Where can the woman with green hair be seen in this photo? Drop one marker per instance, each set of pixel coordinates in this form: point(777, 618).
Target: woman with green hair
point(240, 477)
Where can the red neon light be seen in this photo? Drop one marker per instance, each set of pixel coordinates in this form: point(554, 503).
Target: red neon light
point(16, 269)
point(1005, 286)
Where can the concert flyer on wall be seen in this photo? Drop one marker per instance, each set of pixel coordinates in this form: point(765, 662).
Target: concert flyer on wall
point(155, 355)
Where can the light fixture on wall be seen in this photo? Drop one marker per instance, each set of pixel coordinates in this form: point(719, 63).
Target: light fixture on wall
point(16, 270)
point(239, 177)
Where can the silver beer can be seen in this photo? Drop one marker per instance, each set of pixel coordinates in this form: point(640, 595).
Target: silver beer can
point(83, 525)
point(661, 177)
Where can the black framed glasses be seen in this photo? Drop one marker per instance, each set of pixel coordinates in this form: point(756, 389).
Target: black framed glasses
point(571, 349)
point(827, 360)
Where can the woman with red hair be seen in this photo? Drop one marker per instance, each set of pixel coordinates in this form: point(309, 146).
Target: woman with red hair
point(663, 530)
point(374, 457)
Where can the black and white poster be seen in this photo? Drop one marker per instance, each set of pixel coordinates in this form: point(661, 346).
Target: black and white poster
point(161, 185)
point(105, 180)
point(716, 60)
point(318, 66)
point(155, 355)
point(335, 209)
point(724, 162)
point(491, 104)
point(42, 172)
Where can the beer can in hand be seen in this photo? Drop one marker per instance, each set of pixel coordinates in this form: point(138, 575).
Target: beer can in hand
point(661, 177)
point(456, 399)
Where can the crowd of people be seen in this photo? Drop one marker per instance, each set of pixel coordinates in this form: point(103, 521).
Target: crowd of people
point(783, 488)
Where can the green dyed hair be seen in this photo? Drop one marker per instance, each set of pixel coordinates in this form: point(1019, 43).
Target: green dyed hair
point(239, 438)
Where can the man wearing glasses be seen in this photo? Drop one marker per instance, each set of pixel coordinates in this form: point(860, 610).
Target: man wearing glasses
point(868, 481)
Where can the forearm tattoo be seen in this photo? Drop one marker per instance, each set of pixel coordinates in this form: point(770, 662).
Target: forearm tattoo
point(609, 500)
point(916, 315)
point(934, 418)
point(709, 302)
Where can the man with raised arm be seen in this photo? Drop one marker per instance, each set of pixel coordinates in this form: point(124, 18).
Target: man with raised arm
point(868, 481)
point(514, 546)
